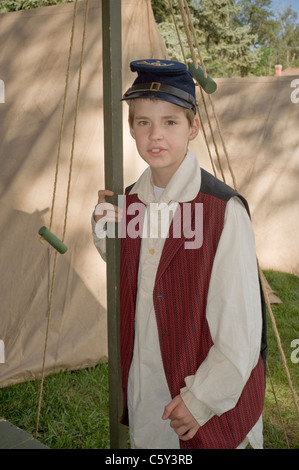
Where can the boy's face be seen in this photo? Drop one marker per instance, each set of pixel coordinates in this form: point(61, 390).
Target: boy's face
point(162, 133)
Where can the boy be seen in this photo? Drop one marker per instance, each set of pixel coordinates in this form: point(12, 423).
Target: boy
point(191, 307)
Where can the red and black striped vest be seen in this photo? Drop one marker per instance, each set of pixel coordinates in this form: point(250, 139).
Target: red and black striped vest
point(180, 297)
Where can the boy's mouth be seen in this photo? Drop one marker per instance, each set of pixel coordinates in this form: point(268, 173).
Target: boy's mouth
point(156, 150)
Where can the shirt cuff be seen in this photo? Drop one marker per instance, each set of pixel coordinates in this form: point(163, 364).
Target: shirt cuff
point(199, 411)
point(99, 238)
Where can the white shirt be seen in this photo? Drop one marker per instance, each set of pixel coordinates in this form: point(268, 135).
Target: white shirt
point(233, 295)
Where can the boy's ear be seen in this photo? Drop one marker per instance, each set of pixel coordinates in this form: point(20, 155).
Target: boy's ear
point(132, 132)
point(194, 128)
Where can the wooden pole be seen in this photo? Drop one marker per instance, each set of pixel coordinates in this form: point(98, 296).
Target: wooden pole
point(113, 147)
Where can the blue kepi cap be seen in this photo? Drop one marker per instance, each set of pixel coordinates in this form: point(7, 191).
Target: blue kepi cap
point(165, 80)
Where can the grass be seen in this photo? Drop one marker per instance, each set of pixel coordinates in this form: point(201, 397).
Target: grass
point(75, 405)
point(286, 316)
point(74, 412)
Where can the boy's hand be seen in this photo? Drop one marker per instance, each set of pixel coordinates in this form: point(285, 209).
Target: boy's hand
point(181, 420)
point(111, 212)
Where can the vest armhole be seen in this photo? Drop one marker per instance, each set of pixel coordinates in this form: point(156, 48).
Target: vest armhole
point(214, 187)
point(128, 188)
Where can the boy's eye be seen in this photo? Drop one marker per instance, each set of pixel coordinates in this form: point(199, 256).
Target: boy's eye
point(170, 123)
point(142, 123)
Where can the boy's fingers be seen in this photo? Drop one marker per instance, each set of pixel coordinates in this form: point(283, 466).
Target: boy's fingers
point(103, 193)
point(171, 406)
point(103, 208)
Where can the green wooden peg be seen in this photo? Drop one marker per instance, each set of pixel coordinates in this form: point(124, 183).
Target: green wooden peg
point(206, 83)
point(52, 239)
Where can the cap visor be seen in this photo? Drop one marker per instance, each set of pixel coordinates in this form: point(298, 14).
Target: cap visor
point(159, 96)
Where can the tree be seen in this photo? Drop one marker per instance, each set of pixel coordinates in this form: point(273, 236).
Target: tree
point(287, 45)
point(257, 14)
point(277, 34)
point(226, 45)
point(167, 28)
point(229, 44)
point(15, 5)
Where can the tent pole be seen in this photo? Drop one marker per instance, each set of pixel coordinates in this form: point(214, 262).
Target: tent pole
point(113, 148)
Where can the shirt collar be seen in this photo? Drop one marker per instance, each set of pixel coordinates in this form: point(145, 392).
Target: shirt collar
point(183, 186)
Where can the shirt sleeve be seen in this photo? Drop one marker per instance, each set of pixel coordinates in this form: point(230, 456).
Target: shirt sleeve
point(235, 320)
point(99, 238)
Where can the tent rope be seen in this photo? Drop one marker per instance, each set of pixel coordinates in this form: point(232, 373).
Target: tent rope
point(210, 98)
point(187, 27)
point(69, 179)
point(198, 110)
point(188, 24)
point(63, 111)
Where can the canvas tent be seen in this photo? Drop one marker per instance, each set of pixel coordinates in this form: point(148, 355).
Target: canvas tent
point(259, 122)
point(33, 59)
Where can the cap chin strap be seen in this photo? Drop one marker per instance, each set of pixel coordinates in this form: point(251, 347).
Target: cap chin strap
point(161, 88)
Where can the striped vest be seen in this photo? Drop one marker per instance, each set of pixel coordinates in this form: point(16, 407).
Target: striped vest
point(180, 297)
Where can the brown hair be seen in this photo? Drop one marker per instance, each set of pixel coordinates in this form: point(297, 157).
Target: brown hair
point(188, 112)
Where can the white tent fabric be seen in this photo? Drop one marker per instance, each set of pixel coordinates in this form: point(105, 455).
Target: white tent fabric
point(259, 124)
point(33, 63)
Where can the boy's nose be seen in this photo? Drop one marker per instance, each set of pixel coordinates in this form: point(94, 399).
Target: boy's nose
point(155, 132)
